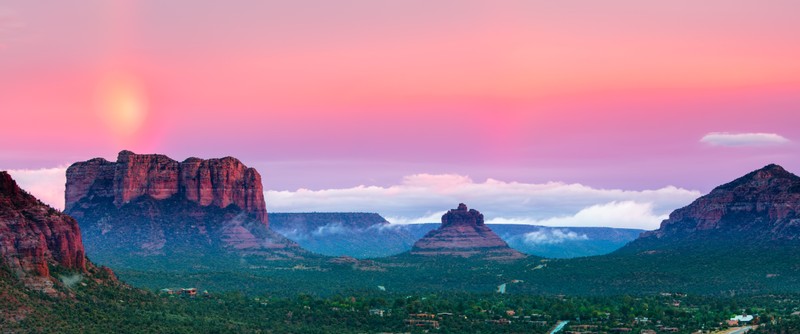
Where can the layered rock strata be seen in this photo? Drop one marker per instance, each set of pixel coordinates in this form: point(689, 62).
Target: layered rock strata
point(151, 205)
point(762, 204)
point(34, 236)
point(463, 233)
point(213, 182)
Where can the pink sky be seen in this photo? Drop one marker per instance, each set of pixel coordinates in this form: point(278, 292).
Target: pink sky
point(334, 94)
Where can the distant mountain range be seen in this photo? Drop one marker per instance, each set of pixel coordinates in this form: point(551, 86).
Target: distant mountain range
point(355, 234)
point(368, 235)
point(156, 214)
point(164, 226)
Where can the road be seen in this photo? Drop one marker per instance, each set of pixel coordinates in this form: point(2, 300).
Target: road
point(559, 327)
point(741, 330)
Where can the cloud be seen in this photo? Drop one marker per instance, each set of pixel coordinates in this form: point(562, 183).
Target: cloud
point(422, 198)
point(553, 236)
point(46, 184)
point(336, 229)
point(431, 218)
point(617, 214)
point(743, 139)
point(330, 229)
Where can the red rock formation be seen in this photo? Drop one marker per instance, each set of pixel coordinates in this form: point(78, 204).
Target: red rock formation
point(764, 203)
point(463, 233)
point(216, 182)
point(151, 205)
point(33, 236)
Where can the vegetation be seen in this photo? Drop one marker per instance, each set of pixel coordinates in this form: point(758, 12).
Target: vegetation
point(93, 307)
point(685, 288)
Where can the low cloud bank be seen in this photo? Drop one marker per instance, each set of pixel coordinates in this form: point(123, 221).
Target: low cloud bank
point(549, 237)
point(423, 198)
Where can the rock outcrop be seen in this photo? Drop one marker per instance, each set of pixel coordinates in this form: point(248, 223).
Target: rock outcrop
point(34, 236)
point(151, 205)
point(463, 233)
point(212, 182)
point(764, 204)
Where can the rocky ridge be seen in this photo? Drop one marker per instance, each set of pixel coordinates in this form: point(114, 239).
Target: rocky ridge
point(150, 205)
point(34, 236)
point(764, 204)
point(356, 234)
point(213, 182)
point(463, 233)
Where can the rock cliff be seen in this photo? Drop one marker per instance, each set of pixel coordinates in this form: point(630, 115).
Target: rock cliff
point(764, 204)
point(150, 205)
point(463, 233)
point(212, 182)
point(34, 237)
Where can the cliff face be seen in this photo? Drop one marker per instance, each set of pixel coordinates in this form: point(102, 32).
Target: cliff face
point(764, 204)
point(213, 182)
point(463, 233)
point(34, 236)
point(151, 205)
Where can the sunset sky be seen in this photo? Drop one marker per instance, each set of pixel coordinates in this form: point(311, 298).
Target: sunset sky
point(402, 107)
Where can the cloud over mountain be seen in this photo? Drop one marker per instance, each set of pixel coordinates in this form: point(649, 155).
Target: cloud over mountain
point(554, 236)
point(420, 198)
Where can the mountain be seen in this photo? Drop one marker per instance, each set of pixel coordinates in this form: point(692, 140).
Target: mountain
point(212, 182)
point(464, 234)
point(150, 206)
point(40, 252)
point(34, 237)
point(355, 234)
point(551, 242)
point(741, 238)
point(368, 235)
point(760, 208)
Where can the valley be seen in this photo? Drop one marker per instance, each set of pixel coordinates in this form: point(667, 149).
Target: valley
point(459, 276)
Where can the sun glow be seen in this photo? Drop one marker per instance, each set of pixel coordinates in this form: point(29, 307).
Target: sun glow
point(122, 104)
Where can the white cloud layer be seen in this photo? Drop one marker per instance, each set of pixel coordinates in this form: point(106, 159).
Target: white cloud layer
point(549, 237)
point(743, 139)
point(423, 198)
point(615, 214)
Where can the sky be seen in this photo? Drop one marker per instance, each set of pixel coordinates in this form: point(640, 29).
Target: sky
point(354, 105)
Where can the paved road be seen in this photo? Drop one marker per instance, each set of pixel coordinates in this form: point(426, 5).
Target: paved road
point(559, 327)
point(742, 330)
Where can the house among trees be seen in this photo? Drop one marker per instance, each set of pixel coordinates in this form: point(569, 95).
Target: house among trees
point(743, 319)
point(191, 292)
point(422, 323)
